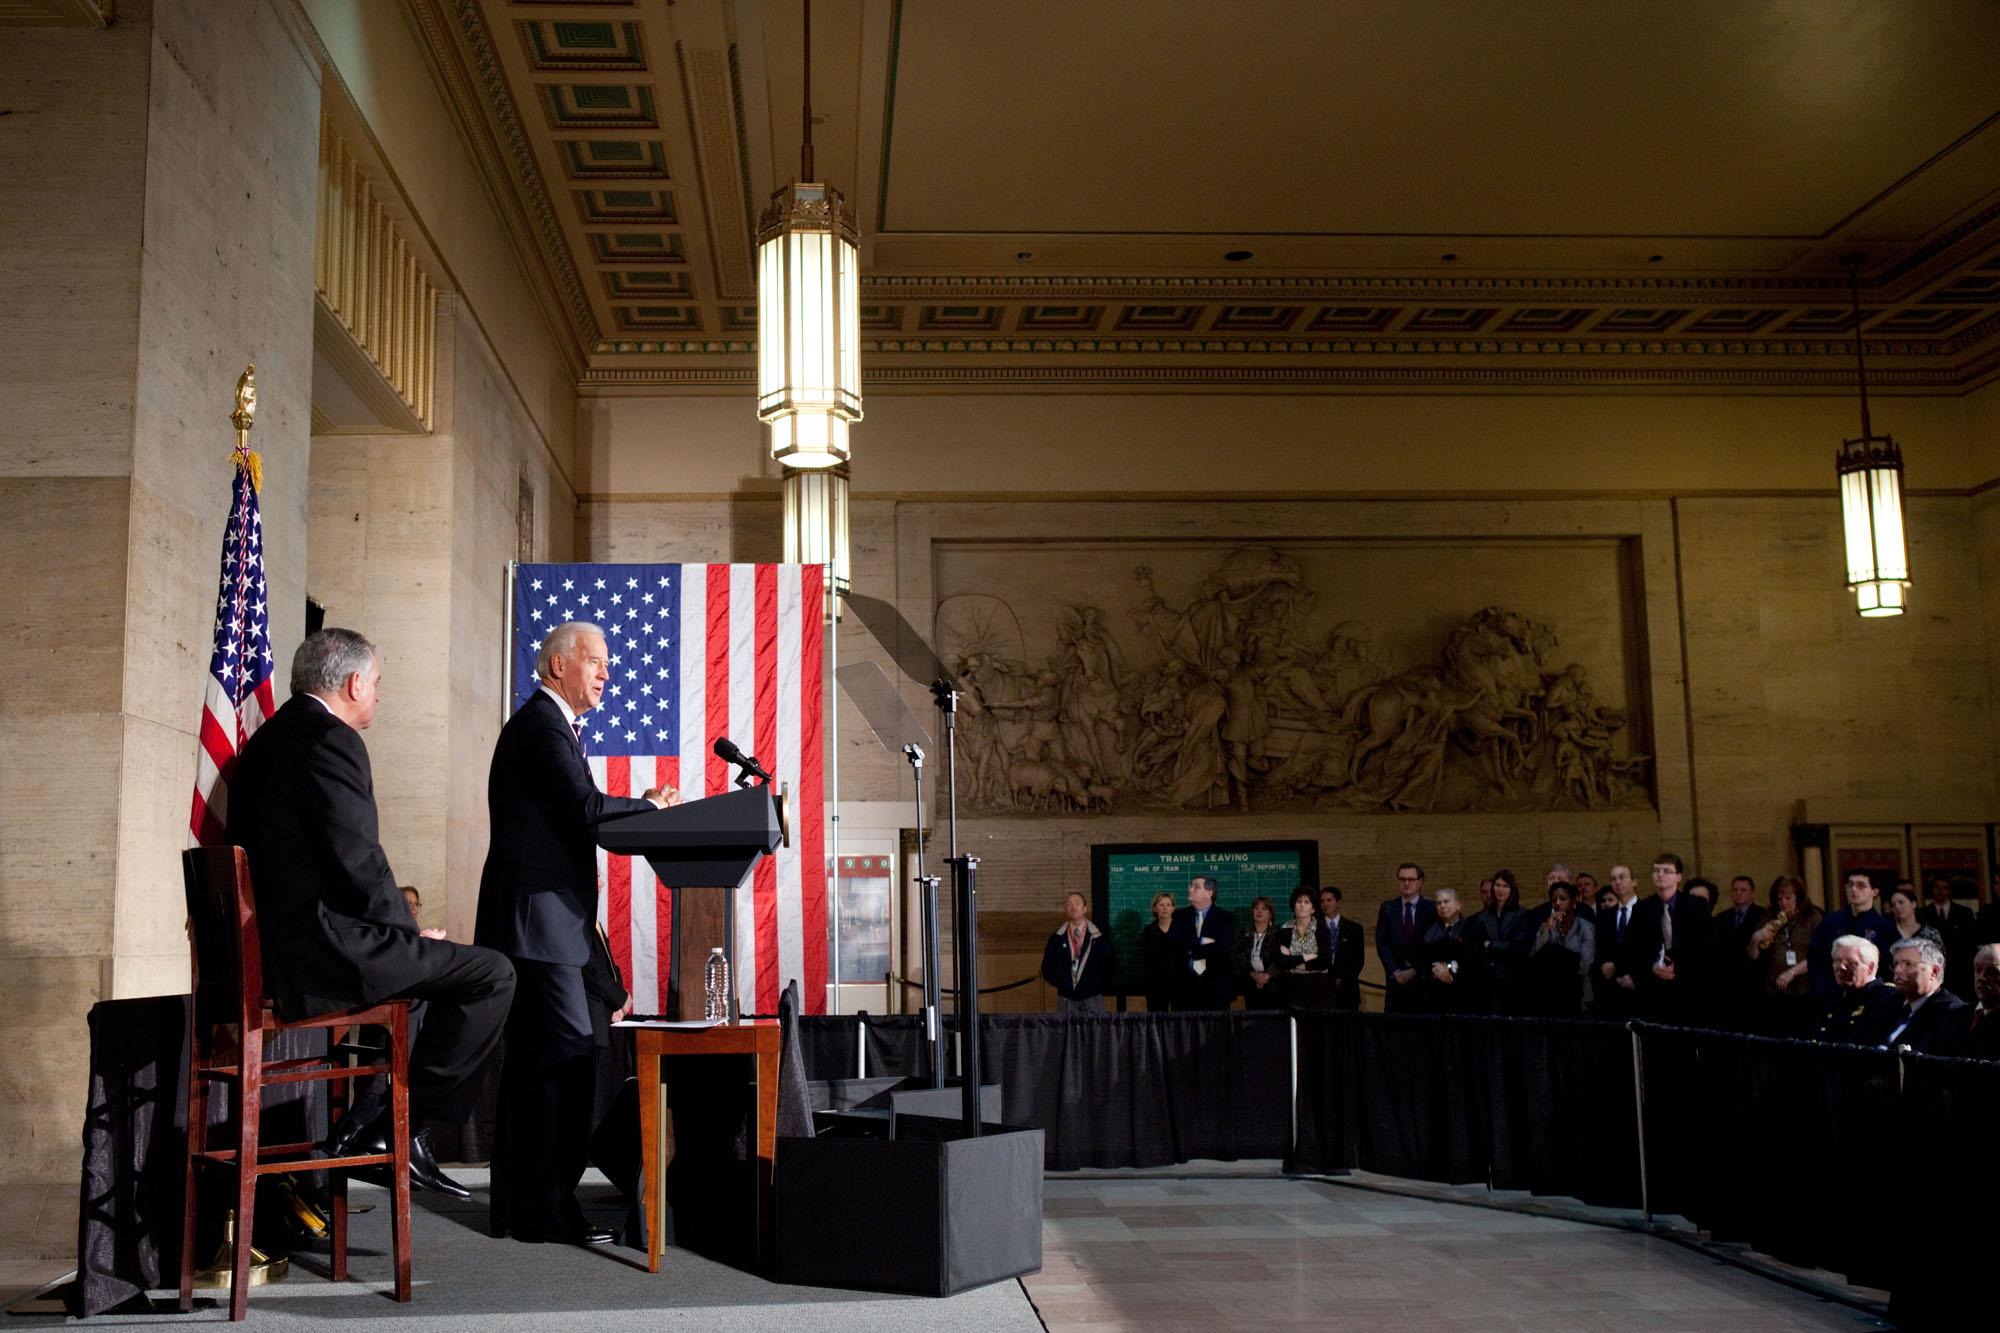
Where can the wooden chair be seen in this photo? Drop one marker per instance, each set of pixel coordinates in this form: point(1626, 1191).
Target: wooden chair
point(229, 1019)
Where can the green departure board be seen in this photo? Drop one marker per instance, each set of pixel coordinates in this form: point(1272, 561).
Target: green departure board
point(1125, 876)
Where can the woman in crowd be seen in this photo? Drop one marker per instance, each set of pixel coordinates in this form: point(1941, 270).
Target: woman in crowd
point(1903, 911)
point(1501, 936)
point(1556, 980)
point(1304, 954)
point(1448, 978)
point(1779, 946)
point(1163, 960)
point(1254, 952)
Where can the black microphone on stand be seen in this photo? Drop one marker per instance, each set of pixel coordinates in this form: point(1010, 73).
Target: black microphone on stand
point(726, 748)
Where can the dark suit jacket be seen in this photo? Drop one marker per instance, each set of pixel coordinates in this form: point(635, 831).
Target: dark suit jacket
point(538, 892)
point(1100, 960)
point(1350, 955)
point(1218, 981)
point(1926, 1026)
point(1389, 934)
point(1693, 947)
point(1859, 1017)
point(335, 930)
point(1959, 1034)
point(1960, 935)
point(603, 987)
point(1734, 967)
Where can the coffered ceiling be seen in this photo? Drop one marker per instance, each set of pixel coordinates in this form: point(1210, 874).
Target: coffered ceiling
point(1289, 194)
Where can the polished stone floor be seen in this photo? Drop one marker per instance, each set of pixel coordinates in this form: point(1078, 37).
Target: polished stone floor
point(1209, 1246)
point(1211, 1252)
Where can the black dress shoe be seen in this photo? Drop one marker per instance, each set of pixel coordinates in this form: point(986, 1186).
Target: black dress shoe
point(353, 1135)
point(424, 1172)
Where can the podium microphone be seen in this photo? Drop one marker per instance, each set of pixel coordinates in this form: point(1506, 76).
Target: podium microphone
point(726, 749)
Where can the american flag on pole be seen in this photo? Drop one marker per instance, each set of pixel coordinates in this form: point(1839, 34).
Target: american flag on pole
point(697, 652)
point(238, 698)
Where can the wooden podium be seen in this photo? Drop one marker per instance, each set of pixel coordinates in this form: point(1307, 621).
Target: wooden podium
point(703, 851)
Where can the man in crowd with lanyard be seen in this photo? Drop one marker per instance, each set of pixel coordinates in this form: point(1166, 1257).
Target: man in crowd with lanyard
point(1078, 960)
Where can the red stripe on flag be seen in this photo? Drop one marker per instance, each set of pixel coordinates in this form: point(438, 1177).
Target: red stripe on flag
point(811, 795)
point(220, 744)
point(765, 732)
point(618, 874)
point(663, 907)
point(716, 777)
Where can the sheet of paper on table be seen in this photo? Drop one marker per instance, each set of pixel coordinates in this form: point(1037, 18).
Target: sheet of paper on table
point(676, 1025)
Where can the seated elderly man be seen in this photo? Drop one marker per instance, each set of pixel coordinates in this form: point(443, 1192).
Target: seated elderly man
point(1862, 1008)
point(1972, 1031)
point(1917, 965)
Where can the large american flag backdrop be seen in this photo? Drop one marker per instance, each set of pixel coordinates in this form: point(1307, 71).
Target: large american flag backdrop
point(238, 697)
point(697, 652)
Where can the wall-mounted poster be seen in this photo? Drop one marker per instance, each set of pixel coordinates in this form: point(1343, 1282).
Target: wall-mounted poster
point(1956, 854)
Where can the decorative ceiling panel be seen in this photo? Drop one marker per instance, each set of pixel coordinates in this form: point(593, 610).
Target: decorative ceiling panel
point(1341, 195)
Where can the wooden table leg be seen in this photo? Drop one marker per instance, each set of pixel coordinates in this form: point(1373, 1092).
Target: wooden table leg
point(767, 1153)
point(648, 1044)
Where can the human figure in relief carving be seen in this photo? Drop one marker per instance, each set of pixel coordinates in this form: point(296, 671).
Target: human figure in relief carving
point(1579, 731)
point(1199, 764)
point(1087, 662)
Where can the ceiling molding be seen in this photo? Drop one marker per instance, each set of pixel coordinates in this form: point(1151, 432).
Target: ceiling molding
point(462, 58)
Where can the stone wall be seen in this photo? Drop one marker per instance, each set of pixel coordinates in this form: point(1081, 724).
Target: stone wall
point(156, 236)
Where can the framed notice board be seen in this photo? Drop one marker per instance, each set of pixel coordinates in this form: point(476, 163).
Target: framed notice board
point(1124, 876)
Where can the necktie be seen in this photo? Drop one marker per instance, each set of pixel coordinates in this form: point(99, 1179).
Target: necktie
point(1624, 914)
point(1666, 925)
point(1739, 917)
point(581, 744)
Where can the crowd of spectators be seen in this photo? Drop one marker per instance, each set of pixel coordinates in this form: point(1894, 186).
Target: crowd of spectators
point(1879, 970)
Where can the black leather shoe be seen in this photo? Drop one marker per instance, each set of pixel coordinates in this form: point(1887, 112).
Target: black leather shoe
point(424, 1172)
point(353, 1137)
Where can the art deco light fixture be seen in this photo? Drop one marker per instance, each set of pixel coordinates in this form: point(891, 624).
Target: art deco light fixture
point(808, 312)
point(816, 526)
point(1871, 498)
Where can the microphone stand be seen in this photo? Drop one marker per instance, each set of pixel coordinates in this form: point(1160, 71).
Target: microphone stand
point(927, 886)
point(965, 916)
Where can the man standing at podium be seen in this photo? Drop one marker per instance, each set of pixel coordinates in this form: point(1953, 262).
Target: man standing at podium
point(538, 905)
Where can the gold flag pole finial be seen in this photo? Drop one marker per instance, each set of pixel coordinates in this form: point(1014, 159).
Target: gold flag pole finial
point(243, 418)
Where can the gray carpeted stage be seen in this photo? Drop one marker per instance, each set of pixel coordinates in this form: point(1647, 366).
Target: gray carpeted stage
point(465, 1280)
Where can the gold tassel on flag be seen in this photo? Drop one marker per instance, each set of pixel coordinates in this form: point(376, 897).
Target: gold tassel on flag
point(243, 418)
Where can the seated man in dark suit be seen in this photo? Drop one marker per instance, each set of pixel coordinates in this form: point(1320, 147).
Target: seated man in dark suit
point(1204, 932)
point(1973, 1031)
point(1400, 924)
point(1917, 965)
point(1863, 1008)
point(336, 932)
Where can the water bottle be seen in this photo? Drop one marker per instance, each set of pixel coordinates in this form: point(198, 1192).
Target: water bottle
point(716, 979)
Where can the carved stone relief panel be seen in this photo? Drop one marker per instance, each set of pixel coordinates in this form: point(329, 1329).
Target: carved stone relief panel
point(1362, 675)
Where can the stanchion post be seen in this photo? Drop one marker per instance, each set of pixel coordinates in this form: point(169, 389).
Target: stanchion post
point(1292, 1022)
point(965, 932)
point(1639, 1114)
